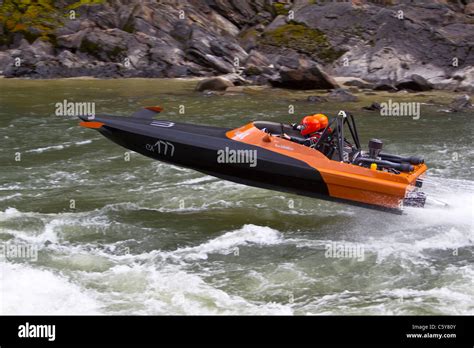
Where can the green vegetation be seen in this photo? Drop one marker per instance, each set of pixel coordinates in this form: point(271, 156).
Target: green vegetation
point(116, 53)
point(89, 47)
point(35, 18)
point(303, 39)
point(248, 34)
point(280, 9)
point(129, 27)
point(95, 50)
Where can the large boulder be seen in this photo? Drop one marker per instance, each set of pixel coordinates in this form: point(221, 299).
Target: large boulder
point(466, 79)
point(414, 83)
point(469, 9)
point(72, 41)
point(214, 84)
point(6, 60)
point(375, 50)
point(302, 74)
point(257, 64)
point(385, 85)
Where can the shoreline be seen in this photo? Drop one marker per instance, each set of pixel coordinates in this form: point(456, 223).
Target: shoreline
point(341, 80)
point(359, 99)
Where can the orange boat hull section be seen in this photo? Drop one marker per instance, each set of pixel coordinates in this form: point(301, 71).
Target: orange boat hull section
point(344, 181)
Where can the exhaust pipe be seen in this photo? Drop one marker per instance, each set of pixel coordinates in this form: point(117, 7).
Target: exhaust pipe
point(394, 158)
point(402, 167)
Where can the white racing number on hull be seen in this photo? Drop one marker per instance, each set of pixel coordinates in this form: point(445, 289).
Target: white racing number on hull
point(161, 147)
point(164, 124)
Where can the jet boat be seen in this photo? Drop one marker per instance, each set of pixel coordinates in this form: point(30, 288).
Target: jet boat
point(275, 156)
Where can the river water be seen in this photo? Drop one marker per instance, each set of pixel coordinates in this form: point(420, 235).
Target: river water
point(143, 237)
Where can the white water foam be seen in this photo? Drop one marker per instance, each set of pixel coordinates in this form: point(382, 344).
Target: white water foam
point(47, 148)
point(10, 196)
point(149, 283)
point(52, 224)
point(59, 147)
point(30, 291)
point(84, 142)
point(171, 290)
point(136, 284)
point(225, 244)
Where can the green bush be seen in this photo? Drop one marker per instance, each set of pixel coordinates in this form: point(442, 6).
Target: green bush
point(302, 39)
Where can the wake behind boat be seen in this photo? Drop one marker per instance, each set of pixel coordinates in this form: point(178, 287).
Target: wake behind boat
point(314, 158)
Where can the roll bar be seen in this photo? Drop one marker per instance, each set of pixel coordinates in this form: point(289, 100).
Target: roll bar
point(337, 126)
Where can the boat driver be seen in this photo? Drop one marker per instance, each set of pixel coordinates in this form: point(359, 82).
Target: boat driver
point(310, 128)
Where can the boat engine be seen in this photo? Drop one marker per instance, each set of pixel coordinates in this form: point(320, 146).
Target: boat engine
point(375, 147)
point(390, 162)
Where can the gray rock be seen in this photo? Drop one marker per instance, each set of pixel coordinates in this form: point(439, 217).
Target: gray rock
point(462, 103)
point(72, 40)
point(385, 85)
point(373, 107)
point(6, 60)
point(213, 84)
point(342, 95)
point(277, 22)
point(181, 31)
point(304, 75)
point(236, 79)
point(360, 84)
point(169, 55)
point(466, 79)
point(257, 64)
point(469, 9)
point(414, 83)
point(213, 33)
point(69, 60)
point(42, 48)
point(209, 61)
point(316, 99)
point(257, 58)
point(291, 61)
point(258, 80)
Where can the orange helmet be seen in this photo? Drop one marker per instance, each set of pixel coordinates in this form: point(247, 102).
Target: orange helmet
point(311, 124)
point(323, 120)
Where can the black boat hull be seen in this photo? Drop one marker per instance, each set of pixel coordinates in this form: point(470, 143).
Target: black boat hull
point(278, 164)
point(196, 147)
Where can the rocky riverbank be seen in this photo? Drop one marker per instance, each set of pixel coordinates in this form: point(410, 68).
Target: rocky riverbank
point(301, 44)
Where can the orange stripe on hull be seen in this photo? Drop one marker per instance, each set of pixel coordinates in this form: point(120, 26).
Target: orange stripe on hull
point(154, 108)
point(93, 125)
point(344, 180)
